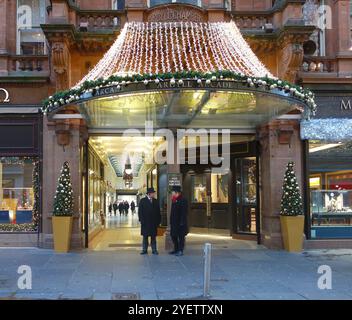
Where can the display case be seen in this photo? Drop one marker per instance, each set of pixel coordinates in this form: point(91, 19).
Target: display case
point(16, 205)
point(331, 207)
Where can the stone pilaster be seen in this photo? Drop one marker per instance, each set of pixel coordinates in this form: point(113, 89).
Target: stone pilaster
point(279, 143)
point(341, 25)
point(4, 11)
point(54, 155)
point(171, 168)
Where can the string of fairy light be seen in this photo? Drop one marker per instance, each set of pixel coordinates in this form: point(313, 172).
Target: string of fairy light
point(151, 42)
point(158, 51)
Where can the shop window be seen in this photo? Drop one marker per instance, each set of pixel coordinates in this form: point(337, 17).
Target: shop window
point(96, 190)
point(19, 198)
point(30, 37)
point(219, 188)
point(199, 191)
point(330, 182)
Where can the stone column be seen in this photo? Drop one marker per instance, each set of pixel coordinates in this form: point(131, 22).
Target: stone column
point(341, 25)
point(61, 142)
point(4, 11)
point(279, 143)
point(171, 168)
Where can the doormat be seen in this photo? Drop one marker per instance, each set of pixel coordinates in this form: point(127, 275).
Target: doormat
point(125, 296)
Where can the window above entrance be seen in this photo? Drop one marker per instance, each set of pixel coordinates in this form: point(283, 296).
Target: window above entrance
point(152, 3)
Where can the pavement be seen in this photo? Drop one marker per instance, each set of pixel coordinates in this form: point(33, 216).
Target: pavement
point(240, 270)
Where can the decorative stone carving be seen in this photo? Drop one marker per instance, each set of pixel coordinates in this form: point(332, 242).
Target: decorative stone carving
point(60, 62)
point(62, 130)
point(291, 60)
point(176, 13)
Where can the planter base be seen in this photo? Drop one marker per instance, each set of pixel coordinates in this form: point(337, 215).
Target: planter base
point(292, 228)
point(62, 229)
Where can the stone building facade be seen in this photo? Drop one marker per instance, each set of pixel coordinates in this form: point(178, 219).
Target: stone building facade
point(66, 39)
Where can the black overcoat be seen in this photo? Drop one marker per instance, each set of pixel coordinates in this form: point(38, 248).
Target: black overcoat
point(178, 218)
point(149, 216)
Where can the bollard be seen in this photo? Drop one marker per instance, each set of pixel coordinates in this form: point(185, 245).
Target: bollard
point(207, 264)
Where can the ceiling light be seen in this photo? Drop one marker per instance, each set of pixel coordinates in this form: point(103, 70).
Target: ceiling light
point(324, 147)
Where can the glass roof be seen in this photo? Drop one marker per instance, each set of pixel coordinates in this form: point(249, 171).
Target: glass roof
point(186, 108)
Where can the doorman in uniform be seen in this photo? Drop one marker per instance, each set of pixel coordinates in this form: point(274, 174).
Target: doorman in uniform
point(178, 221)
point(150, 218)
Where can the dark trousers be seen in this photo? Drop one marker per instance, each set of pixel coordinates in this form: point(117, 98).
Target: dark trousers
point(179, 243)
point(146, 243)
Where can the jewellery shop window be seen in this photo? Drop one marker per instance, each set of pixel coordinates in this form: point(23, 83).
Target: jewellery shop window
point(19, 194)
point(219, 188)
point(199, 191)
point(330, 181)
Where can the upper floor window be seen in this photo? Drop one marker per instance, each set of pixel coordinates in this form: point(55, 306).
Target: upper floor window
point(152, 3)
point(30, 37)
point(118, 4)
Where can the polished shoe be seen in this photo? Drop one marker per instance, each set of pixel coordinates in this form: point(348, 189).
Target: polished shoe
point(179, 253)
point(155, 252)
point(173, 252)
point(144, 252)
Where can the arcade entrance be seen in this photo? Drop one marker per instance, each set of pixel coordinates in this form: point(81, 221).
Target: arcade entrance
point(120, 170)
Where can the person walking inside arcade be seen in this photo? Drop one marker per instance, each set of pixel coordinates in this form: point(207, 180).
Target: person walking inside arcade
point(178, 221)
point(150, 218)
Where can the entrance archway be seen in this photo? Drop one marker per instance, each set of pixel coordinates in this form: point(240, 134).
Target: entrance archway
point(216, 83)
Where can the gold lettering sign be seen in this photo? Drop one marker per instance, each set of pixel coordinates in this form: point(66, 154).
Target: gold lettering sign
point(175, 13)
point(4, 96)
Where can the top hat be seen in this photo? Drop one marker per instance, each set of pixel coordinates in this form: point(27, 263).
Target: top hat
point(150, 190)
point(176, 188)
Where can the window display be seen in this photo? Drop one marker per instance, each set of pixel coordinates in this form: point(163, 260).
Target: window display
point(219, 188)
point(331, 203)
point(19, 185)
point(199, 193)
point(330, 181)
point(96, 192)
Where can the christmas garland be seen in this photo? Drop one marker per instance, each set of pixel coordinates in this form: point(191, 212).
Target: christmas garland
point(23, 227)
point(72, 95)
point(36, 192)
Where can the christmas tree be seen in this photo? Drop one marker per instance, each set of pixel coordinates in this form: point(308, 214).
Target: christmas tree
point(63, 200)
point(291, 200)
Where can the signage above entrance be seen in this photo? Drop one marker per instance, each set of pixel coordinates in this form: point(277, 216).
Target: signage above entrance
point(334, 107)
point(176, 13)
point(4, 96)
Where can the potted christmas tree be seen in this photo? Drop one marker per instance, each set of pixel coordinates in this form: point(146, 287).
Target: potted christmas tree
point(63, 211)
point(291, 213)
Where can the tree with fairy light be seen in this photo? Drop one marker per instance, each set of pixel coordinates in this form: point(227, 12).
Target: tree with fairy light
point(291, 200)
point(63, 200)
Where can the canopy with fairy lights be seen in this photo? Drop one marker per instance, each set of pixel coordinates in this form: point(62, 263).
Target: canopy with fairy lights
point(167, 65)
point(166, 47)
